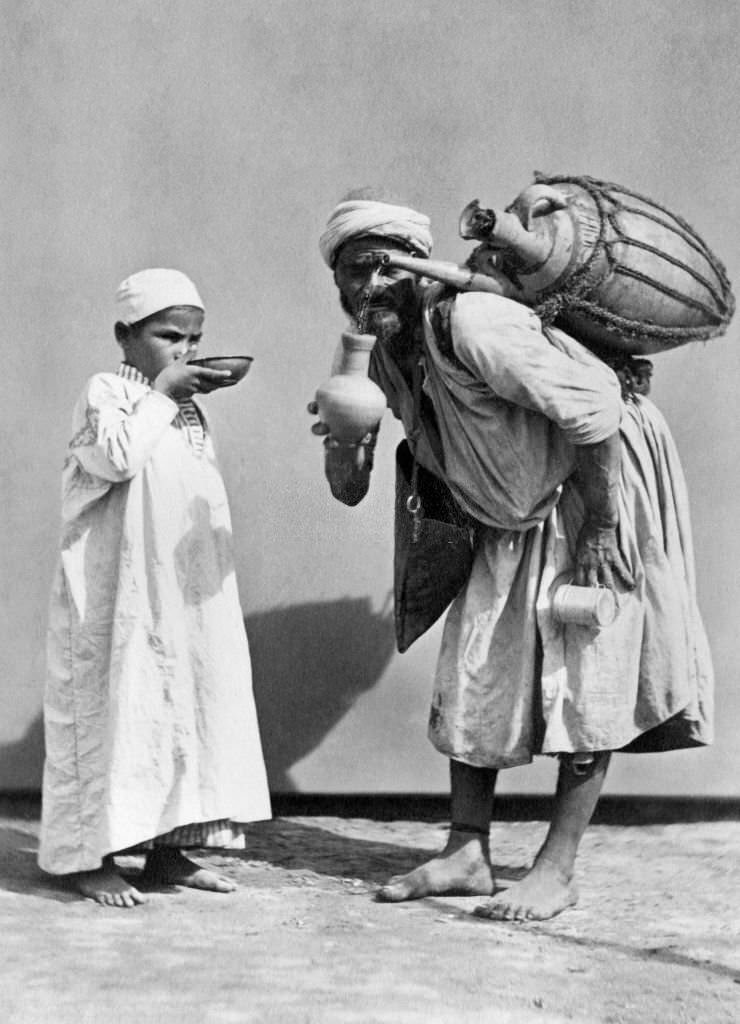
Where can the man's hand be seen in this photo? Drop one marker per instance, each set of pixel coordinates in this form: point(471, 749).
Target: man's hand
point(597, 554)
point(318, 428)
point(598, 559)
point(181, 380)
point(347, 466)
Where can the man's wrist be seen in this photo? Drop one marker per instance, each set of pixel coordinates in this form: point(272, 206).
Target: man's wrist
point(332, 443)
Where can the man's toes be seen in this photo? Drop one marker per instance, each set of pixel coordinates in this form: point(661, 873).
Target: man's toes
point(495, 911)
point(483, 910)
point(396, 892)
point(389, 893)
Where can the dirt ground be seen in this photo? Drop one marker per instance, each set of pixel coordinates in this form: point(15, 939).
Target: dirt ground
point(655, 938)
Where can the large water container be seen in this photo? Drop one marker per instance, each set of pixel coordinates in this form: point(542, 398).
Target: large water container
point(612, 267)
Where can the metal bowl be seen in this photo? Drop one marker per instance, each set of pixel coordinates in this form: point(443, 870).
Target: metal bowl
point(238, 366)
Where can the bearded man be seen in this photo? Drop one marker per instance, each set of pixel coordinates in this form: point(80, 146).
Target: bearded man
point(565, 479)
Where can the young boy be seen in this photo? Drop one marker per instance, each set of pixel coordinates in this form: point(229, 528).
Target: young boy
point(152, 742)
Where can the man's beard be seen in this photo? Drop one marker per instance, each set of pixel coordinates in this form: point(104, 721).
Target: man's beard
point(395, 320)
point(386, 324)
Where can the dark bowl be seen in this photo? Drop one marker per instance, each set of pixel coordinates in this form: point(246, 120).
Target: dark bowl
point(238, 366)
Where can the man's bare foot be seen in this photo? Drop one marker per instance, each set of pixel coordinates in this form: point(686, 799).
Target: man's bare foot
point(165, 864)
point(106, 886)
point(544, 892)
point(462, 869)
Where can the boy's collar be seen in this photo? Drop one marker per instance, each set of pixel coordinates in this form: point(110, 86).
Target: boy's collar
point(129, 372)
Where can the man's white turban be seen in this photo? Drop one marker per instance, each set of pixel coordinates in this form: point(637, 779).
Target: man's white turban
point(151, 291)
point(356, 217)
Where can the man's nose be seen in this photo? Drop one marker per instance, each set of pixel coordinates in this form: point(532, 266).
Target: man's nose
point(375, 284)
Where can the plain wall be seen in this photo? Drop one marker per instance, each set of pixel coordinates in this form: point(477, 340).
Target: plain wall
point(216, 137)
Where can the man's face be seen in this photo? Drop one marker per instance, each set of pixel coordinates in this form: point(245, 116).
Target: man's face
point(160, 339)
point(381, 299)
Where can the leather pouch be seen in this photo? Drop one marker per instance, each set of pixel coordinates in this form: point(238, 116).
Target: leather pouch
point(433, 552)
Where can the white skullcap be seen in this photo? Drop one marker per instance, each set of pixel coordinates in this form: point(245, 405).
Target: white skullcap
point(151, 291)
point(355, 217)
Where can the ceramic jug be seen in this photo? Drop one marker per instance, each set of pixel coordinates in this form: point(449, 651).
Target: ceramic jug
point(349, 402)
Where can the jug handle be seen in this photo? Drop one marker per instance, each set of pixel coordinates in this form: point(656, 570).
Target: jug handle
point(544, 204)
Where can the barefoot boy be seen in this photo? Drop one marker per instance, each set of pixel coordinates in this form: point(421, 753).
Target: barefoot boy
point(152, 742)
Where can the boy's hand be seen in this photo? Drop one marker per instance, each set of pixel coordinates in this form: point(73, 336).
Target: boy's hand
point(181, 380)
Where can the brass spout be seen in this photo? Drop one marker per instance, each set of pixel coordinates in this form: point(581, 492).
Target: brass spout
point(462, 278)
point(505, 230)
point(476, 223)
point(525, 231)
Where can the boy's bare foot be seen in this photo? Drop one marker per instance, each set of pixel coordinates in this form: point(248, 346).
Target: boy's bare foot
point(106, 886)
point(462, 869)
point(165, 864)
point(544, 892)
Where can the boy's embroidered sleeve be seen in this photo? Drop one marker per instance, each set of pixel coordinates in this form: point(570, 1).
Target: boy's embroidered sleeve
point(114, 435)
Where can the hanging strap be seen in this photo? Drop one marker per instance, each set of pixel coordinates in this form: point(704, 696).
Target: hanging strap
point(413, 502)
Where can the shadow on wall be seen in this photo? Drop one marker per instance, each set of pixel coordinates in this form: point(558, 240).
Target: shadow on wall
point(310, 663)
point(22, 762)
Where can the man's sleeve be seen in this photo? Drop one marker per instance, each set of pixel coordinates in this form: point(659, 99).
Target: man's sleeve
point(502, 344)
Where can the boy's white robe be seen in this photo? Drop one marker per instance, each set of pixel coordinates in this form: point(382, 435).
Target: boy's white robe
point(149, 715)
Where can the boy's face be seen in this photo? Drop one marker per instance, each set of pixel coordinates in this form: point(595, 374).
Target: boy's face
point(161, 338)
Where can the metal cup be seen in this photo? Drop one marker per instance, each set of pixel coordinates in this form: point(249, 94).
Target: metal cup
point(584, 606)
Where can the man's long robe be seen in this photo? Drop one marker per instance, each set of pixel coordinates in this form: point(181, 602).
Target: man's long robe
point(510, 404)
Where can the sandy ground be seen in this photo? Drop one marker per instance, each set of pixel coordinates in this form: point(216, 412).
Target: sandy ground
point(655, 937)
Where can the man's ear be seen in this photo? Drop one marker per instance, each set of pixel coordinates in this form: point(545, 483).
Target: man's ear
point(122, 332)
